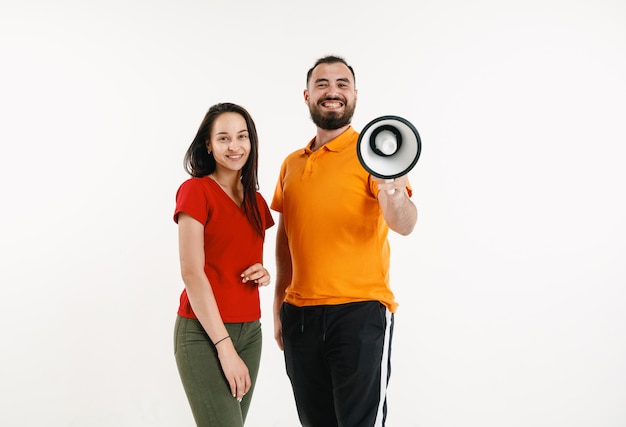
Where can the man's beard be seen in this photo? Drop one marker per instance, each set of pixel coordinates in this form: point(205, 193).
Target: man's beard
point(331, 121)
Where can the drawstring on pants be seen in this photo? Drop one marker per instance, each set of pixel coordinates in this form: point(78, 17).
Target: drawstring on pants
point(323, 322)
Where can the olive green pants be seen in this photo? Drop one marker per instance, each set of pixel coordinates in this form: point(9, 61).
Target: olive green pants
point(208, 392)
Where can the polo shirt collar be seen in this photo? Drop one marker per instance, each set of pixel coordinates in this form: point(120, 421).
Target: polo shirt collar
point(337, 144)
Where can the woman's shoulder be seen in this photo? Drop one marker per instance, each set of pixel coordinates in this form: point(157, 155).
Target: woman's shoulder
point(197, 187)
point(260, 197)
point(200, 182)
point(197, 180)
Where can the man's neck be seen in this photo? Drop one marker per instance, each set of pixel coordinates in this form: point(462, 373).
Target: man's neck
point(325, 135)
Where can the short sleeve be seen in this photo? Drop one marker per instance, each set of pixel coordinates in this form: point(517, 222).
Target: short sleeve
point(277, 200)
point(265, 212)
point(192, 200)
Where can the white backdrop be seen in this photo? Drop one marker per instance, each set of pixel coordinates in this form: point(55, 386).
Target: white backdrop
point(511, 288)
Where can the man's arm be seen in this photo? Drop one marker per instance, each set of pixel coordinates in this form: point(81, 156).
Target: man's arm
point(283, 277)
point(398, 210)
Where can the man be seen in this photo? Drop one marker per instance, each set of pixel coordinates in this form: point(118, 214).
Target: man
point(333, 307)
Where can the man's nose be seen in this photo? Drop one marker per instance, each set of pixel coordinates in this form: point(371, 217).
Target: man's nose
point(332, 92)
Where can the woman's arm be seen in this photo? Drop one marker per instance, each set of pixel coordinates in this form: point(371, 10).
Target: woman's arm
point(202, 299)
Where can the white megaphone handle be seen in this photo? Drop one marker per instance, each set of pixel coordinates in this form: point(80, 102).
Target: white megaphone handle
point(393, 190)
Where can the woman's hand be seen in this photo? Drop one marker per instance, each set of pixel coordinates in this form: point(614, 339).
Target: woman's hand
point(256, 273)
point(234, 368)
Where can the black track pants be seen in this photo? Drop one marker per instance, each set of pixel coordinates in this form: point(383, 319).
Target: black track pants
point(338, 360)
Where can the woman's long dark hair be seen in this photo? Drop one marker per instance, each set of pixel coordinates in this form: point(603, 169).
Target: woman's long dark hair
point(198, 162)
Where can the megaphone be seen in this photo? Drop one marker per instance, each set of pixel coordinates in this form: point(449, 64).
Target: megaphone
point(389, 147)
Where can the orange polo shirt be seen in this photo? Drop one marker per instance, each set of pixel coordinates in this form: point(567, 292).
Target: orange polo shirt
point(335, 227)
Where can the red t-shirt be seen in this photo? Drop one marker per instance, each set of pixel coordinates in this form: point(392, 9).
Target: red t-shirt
point(231, 245)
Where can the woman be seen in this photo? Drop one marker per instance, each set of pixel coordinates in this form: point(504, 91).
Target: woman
point(221, 221)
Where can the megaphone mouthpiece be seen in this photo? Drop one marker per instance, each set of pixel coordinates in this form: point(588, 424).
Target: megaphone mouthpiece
point(386, 142)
